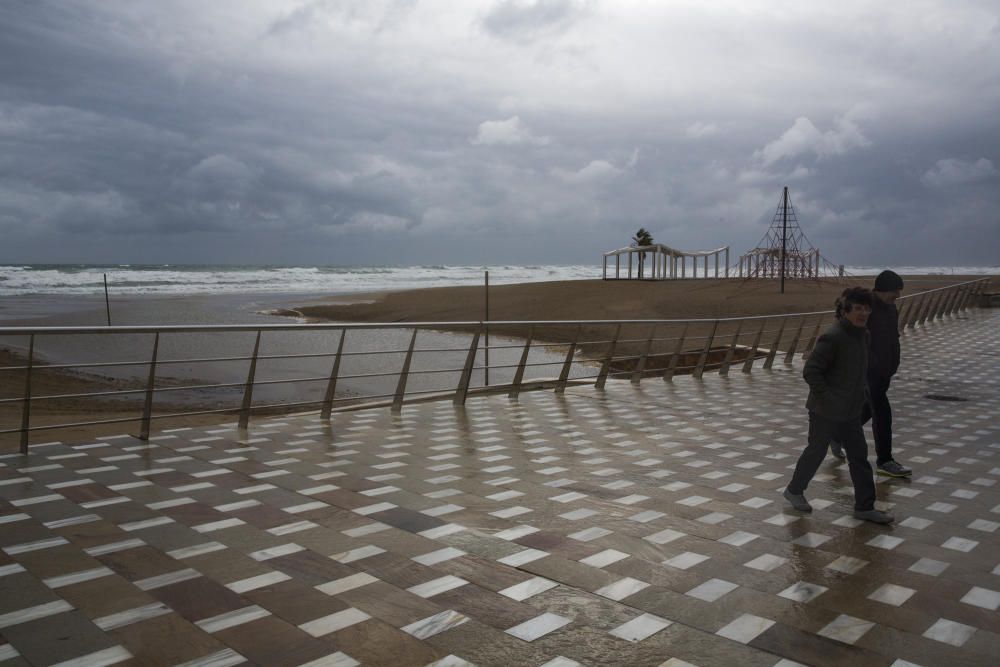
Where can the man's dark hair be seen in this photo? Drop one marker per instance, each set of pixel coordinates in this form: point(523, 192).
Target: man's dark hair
point(851, 297)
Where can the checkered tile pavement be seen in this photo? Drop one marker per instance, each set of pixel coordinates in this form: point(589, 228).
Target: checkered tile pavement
point(630, 526)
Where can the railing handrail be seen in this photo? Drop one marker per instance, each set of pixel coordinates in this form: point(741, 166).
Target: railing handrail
point(930, 304)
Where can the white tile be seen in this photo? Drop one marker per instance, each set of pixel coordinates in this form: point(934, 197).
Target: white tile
point(745, 628)
point(887, 542)
point(590, 534)
point(686, 560)
point(929, 566)
point(231, 619)
point(766, 562)
point(102, 658)
point(950, 632)
point(130, 616)
point(260, 581)
point(358, 554)
point(347, 583)
point(712, 590)
point(539, 626)
point(522, 557)
point(960, 544)
point(847, 564)
point(739, 538)
point(664, 536)
point(640, 628)
point(846, 629)
point(529, 588)
point(803, 591)
point(439, 556)
point(437, 586)
point(621, 589)
point(432, 625)
point(602, 558)
point(33, 613)
point(334, 622)
point(167, 579)
point(982, 597)
point(892, 594)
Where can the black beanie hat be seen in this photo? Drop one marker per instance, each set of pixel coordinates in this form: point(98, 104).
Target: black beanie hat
point(888, 281)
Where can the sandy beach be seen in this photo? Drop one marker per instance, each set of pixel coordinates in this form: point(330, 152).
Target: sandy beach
point(543, 301)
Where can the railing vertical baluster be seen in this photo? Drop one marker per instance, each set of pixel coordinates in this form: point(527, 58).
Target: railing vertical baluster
point(774, 345)
point(26, 404)
point(248, 391)
point(404, 374)
point(751, 357)
point(935, 306)
point(980, 287)
point(724, 369)
point(602, 375)
point(147, 408)
point(903, 312)
point(462, 390)
point(915, 314)
point(515, 388)
point(704, 351)
point(564, 374)
point(964, 299)
point(641, 364)
point(925, 308)
point(813, 338)
point(795, 342)
point(331, 386)
point(948, 302)
point(668, 375)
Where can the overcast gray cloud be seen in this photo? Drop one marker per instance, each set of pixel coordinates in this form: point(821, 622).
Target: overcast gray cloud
point(406, 131)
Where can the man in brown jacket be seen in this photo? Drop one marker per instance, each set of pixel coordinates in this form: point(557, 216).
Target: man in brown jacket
point(836, 374)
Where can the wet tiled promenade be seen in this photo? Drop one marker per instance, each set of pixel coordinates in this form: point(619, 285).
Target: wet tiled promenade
point(633, 526)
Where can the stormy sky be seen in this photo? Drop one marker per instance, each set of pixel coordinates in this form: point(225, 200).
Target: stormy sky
point(491, 132)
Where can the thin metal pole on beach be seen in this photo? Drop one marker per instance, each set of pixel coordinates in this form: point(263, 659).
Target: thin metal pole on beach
point(107, 303)
point(486, 319)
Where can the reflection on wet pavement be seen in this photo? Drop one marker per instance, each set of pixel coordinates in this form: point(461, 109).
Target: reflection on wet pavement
point(631, 526)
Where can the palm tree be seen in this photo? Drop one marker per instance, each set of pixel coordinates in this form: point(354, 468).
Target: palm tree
point(642, 238)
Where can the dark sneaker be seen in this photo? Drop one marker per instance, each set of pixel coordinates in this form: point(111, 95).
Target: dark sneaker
point(837, 450)
point(798, 501)
point(875, 516)
point(893, 469)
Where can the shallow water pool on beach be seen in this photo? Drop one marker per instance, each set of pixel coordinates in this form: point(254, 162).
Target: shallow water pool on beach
point(444, 353)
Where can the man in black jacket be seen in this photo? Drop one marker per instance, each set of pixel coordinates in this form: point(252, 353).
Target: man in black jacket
point(835, 372)
point(883, 362)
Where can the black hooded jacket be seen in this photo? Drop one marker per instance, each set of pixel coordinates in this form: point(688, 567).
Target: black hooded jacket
point(883, 351)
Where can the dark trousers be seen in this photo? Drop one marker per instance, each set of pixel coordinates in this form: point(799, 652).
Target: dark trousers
point(880, 412)
point(852, 438)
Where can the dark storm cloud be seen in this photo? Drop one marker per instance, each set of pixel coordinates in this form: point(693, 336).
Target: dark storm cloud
point(548, 130)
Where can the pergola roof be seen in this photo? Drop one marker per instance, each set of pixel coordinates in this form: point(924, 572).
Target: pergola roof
point(665, 249)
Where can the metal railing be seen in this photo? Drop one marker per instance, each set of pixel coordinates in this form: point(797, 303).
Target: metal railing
point(589, 351)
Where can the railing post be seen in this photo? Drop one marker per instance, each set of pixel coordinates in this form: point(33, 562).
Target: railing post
point(774, 346)
point(462, 390)
point(724, 368)
point(795, 342)
point(397, 400)
point(515, 387)
point(147, 408)
point(564, 374)
point(813, 338)
point(668, 375)
point(331, 387)
point(602, 375)
point(704, 352)
point(640, 366)
point(248, 391)
point(748, 364)
point(26, 404)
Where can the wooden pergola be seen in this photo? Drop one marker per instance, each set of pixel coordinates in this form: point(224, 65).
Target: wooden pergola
point(666, 263)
